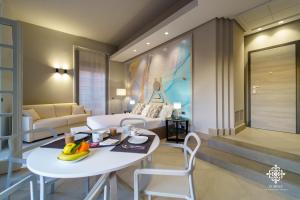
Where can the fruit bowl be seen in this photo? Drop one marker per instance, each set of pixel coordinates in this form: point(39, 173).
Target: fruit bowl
point(73, 152)
point(73, 157)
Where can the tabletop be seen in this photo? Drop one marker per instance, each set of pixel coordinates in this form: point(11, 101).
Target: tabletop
point(44, 162)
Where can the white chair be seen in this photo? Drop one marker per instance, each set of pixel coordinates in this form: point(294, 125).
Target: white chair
point(12, 189)
point(12, 160)
point(101, 185)
point(174, 183)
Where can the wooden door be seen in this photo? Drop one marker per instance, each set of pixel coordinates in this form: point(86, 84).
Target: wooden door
point(273, 89)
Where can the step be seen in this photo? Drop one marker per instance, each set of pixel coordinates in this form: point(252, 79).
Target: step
point(284, 160)
point(250, 169)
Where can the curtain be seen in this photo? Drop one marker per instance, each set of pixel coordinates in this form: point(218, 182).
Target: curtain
point(92, 81)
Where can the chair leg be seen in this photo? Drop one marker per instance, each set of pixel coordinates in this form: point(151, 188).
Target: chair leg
point(136, 188)
point(9, 173)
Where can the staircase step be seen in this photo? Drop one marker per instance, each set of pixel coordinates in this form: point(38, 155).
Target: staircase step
point(284, 160)
point(251, 169)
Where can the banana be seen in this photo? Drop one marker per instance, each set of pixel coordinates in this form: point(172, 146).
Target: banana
point(68, 148)
point(71, 157)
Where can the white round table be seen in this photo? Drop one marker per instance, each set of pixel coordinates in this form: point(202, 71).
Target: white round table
point(44, 162)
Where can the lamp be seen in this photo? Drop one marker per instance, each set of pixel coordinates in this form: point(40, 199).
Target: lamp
point(65, 71)
point(56, 70)
point(177, 107)
point(121, 92)
point(132, 102)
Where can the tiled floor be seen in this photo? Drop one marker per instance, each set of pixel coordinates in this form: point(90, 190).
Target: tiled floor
point(281, 141)
point(211, 183)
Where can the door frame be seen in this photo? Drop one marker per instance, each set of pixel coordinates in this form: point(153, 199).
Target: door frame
point(248, 82)
point(17, 92)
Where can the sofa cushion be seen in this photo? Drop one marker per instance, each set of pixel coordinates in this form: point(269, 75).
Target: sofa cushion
point(32, 113)
point(50, 123)
point(44, 111)
point(74, 119)
point(62, 109)
point(77, 110)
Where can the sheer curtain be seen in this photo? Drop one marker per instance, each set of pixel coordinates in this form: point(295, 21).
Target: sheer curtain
point(91, 84)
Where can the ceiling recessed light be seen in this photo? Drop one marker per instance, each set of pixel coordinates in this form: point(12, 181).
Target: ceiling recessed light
point(280, 22)
point(259, 29)
point(166, 33)
point(134, 50)
point(148, 43)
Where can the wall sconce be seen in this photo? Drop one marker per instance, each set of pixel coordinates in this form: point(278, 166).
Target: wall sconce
point(132, 102)
point(56, 70)
point(65, 71)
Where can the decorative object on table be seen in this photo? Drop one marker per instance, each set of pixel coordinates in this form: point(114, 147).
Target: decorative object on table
point(127, 128)
point(98, 136)
point(69, 138)
point(177, 108)
point(137, 139)
point(121, 92)
point(177, 129)
point(125, 146)
point(73, 152)
point(113, 131)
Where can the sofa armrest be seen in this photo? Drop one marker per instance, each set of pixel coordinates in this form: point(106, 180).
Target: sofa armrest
point(88, 111)
point(27, 123)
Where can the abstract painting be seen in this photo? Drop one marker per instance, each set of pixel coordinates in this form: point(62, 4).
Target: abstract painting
point(169, 64)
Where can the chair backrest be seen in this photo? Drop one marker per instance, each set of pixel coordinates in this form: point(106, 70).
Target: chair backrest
point(189, 153)
point(133, 119)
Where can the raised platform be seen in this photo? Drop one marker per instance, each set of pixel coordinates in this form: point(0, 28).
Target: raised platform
point(252, 160)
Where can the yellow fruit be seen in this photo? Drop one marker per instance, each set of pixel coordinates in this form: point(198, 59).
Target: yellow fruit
point(71, 157)
point(68, 148)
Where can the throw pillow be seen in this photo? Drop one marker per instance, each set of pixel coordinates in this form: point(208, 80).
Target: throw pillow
point(31, 113)
point(138, 109)
point(154, 110)
point(146, 110)
point(76, 110)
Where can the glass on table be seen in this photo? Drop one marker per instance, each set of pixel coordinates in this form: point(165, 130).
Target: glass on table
point(69, 138)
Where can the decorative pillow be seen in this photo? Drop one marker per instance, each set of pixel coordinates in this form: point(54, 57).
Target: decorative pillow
point(154, 110)
point(145, 110)
point(76, 110)
point(138, 108)
point(166, 111)
point(31, 113)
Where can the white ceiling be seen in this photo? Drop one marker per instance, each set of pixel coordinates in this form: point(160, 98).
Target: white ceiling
point(269, 14)
point(182, 22)
point(108, 21)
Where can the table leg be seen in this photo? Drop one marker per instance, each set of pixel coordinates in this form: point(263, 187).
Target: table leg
point(86, 185)
point(113, 186)
point(42, 188)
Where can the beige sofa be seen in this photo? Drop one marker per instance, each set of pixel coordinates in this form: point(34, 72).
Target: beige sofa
point(56, 116)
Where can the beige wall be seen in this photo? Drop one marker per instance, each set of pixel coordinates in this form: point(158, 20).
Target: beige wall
point(43, 49)
point(204, 77)
point(117, 74)
point(239, 74)
point(271, 37)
